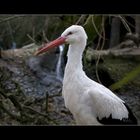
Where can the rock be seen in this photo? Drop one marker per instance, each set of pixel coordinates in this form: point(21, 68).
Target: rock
point(33, 63)
point(51, 80)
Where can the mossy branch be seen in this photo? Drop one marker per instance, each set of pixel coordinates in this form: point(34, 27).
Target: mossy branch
point(129, 77)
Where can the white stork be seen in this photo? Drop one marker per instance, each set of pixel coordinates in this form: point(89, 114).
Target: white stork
point(90, 102)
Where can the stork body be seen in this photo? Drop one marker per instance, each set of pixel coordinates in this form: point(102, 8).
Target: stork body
point(90, 102)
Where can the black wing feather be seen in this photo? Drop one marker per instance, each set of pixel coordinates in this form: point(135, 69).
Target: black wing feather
point(131, 120)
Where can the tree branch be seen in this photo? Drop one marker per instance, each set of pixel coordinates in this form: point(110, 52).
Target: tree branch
point(15, 102)
point(42, 114)
point(17, 117)
point(10, 18)
point(31, 38)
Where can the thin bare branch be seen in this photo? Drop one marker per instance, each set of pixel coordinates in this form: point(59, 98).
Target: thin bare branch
point(0, 52)
point(15, 102)
point(54, 95)
point(87, 20)
point(14, 116)
point(98, 58)
point(125, 23)
point(103, 30)
point(47, 96)
point(44, 36)
point(10, 30)
point(31, 38)
point(3, 93)
point(130, 24)
point(77, 22)
point(10, 18)
point(42, 114)
point(95, 27)
point(33, 33)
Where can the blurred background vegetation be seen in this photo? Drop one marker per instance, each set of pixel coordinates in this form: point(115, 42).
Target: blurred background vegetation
point(20, 30)
point(111, 58)
point(104, 31)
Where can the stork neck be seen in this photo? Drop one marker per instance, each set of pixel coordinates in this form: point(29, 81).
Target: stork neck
point(75, 57)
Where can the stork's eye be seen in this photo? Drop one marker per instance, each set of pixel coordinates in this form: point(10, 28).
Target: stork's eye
point(69, 33)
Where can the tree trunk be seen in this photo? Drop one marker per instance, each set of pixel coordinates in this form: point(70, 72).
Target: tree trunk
point(137, 20)
point(115, 32)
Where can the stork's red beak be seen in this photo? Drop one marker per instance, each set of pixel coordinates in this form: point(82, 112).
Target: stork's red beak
point(52, 44)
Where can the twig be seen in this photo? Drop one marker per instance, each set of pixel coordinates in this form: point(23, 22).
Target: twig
point(33, 110)
point(97, 62)
point(77, 22)
point(10, 30)
point(103, 28)
point(8, 112)
point(0, 52)
point(19, 90)
point(31, 38)
point(98, 58)
point(99, 41)
point(15, 102)
point(42, 114)
point(2, 93)
point(33, 33)
point(44, 36)
point(130, 24)
point(21, 108)
point(47, 102)
point(10, 18)
point(96, 28)
point(88, 18)
point(17, 105)
point(125, 23)
point(54, 95)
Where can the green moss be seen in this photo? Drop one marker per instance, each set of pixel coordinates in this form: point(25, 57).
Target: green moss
point(127, 78)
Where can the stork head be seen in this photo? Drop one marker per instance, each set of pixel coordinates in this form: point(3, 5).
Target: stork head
point(75, 34)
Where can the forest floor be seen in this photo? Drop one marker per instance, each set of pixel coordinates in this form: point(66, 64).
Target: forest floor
point(25, 100)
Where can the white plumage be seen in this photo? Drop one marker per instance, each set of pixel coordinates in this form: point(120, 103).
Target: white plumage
point(90, 102)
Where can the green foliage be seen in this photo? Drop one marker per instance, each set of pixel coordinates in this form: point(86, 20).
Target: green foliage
point(126, 79)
